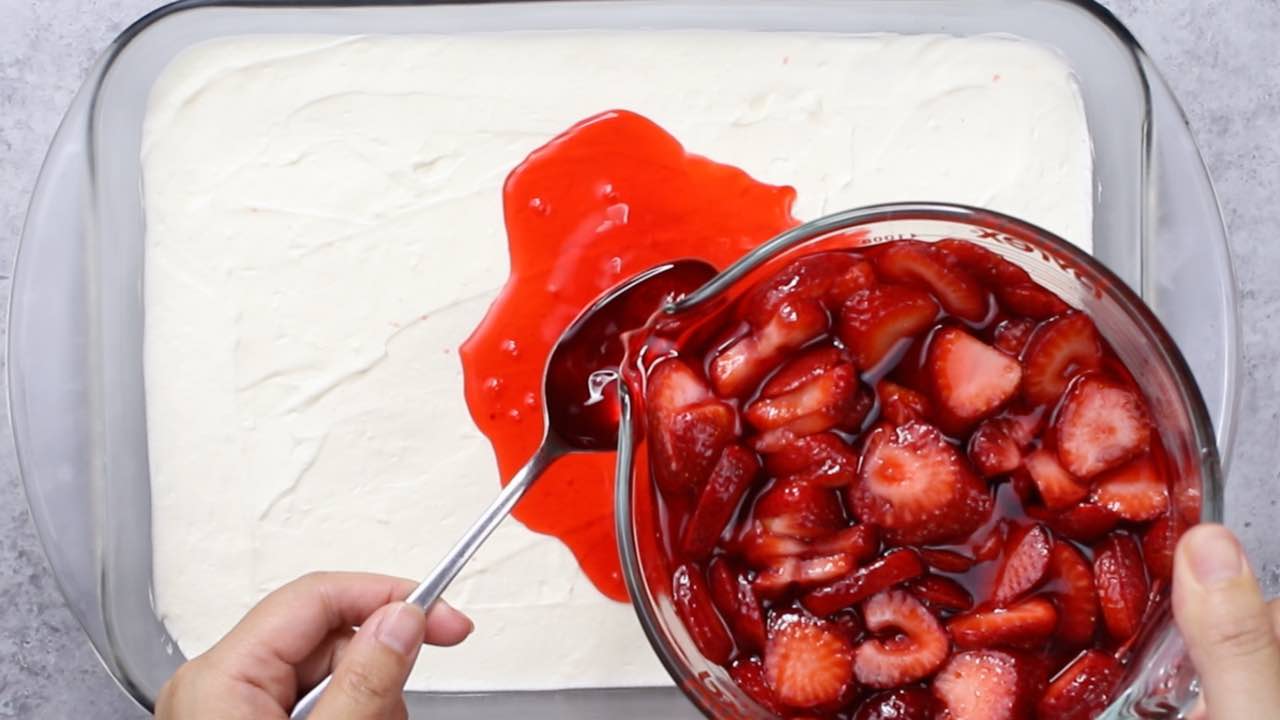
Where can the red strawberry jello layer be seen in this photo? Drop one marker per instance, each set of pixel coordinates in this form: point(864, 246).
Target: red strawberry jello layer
point(908, 482)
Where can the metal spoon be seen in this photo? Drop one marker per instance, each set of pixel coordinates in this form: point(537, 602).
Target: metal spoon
point(580, 409)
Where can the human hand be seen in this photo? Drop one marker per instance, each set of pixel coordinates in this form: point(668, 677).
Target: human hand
point(302, 632)
point(1230, 630)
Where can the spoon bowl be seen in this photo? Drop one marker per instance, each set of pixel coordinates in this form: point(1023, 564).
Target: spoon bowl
point(578, 390)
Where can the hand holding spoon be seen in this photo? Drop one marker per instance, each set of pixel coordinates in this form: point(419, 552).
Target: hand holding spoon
point(579, 406)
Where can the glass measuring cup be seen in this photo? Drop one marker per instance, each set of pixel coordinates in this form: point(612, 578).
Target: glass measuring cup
point(1158, 679)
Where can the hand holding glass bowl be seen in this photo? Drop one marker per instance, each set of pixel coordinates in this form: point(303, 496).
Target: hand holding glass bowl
point(665, 598)
point(1151, 675)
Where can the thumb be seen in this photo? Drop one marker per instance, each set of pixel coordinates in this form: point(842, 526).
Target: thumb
point(368, 683)
point(1226, 624)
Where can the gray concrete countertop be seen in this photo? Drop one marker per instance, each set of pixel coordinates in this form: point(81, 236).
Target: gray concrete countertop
point(1220, 56)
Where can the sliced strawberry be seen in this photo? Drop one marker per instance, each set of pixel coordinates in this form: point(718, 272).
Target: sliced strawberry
point(732, 475)
point(688, 429)
point(1083, 690)
point(1025, 426)
point(895, 567)
point(1061, 349)
point(1100, 426)
point(773, 441)
point(762, 548)
point(918, 263)
point(743, 364)
point(1031, 300)
point(991, 546)
point(674, 385)
point(1072, 585)
point(859, 541)
point(993, 449)
point(855, 417)
point(807, 662)
point(989, 685)
point(1024, 487)
point(801, 370)
point(698, 613)
point(736, 369)
point(1188, 500)
point(856, 411)
point(1027, 624)
point(792, 325)
point(1057, 488)
point(901, 405)
point(947, 561)
point(1011, 335)
point(1085, 522)
point(1135, 491)
point(826, 277)
point(1121, 580)
point(912, 703)
point(822, 459)
point(789, 572)
point(1026, 562)
point(687, 443)
point(917, 487)
point(1158, 543)
point(799, 509)
point(850, 623)
point(970, 378)
point(986, 266)
point(738, 605)
point(1011, 284)
point(941, 594)
point(915, 646)
point(748, 673)
point(847, 277)
point(874, 321)
point(818, 405)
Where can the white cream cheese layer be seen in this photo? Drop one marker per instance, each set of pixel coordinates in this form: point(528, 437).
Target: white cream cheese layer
point(324, 228)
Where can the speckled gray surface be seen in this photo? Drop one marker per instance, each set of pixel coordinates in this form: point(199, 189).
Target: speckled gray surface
point(1220, 56)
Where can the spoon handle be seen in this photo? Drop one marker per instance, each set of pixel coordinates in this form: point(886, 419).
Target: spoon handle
point(433, 586)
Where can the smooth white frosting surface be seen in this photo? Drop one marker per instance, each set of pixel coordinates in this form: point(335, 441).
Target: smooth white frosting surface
point(324, 229)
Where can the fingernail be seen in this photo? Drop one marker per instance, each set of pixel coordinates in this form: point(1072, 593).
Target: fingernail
point(471, 625)
point(1214, 555)
point(401, 629)
point(450, 614)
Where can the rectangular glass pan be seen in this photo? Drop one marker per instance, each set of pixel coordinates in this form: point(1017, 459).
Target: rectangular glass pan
point(104, 421)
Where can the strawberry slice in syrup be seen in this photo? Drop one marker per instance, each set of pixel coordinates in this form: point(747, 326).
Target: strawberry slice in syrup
point(918, 487)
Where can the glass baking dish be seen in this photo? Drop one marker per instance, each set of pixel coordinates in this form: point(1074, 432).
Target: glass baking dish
point(76, 390)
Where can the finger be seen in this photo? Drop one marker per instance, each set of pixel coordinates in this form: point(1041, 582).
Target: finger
point(1227, 625)
point(447, 626)
point(322, 660)
point(368, 683)
point(197, 690)
point(1198, 712)
point(1274, 609)
point(290, 623)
